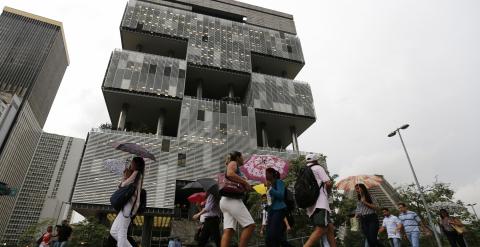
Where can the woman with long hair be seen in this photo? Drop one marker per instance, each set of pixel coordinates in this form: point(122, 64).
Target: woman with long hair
point(132, 175)
point(448, 225)
point(276, 227)
point(366, 213)
point(233, 208)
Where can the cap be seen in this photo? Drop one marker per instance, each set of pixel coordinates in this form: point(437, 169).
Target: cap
point(311, 158)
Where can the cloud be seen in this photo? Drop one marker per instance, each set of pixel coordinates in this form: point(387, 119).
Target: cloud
point(469, 194)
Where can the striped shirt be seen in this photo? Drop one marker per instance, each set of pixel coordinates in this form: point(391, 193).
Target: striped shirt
point(363, 209)
point(410, 221)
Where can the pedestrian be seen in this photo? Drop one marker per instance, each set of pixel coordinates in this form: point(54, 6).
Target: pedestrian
point(210, 214)
point(365, 212)
point(178, 243)
point(134, 175)
point(277, 209)
point(319, 213)
point(410, 224)
point(393, 225)
point(46, 238)
point(64, 233)
point(453, 229)
point(233, 208)
point(264, 214)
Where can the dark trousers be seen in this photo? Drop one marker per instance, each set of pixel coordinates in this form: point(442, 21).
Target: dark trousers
point(455, 239)
point(276, 235)
point(210, 230)
point(370, 227)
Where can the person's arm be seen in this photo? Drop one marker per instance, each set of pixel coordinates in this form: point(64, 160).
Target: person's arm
point(197, 215)
point(381, 229)
point(456, 221)
point(285, 220)
point(278, 193)
point(233, 176)
point(130, 179)
point(368, 204)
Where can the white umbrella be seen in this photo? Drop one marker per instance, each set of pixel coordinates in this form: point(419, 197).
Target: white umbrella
point(115, 166)
point(451, 207)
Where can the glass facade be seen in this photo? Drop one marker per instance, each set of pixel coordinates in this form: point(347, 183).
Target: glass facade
point(280, 95)
point(142, 72)
point(212, 41)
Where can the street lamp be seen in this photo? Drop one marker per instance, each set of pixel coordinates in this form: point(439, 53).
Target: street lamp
point(430, 221)
point(472, 205)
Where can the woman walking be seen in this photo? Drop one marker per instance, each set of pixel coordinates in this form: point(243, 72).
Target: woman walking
point(366, 213)
point(132, 175)
point(232, 207)
point(276, 235)
point(448, 225)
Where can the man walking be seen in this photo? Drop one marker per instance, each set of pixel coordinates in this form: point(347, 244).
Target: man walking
point(393, 225)
point(319, 213)
point(410, 223)
point(64, 234)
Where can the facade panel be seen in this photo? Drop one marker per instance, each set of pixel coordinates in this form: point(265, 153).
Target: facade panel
point(146, 73)
point(212, 41)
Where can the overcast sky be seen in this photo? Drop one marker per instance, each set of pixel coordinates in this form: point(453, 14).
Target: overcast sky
point(372, 66)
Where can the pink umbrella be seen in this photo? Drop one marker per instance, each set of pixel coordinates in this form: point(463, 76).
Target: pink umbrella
point(254, 167)
point(197, 197)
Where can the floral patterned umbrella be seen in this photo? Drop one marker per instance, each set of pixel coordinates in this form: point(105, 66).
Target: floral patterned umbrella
point(135, 149)
point(254, 167)
point(348, 184)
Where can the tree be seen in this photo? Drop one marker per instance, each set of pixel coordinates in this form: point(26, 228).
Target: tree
point(105, 126)
point(30, 236)
point(88, 232)
point(439, 192)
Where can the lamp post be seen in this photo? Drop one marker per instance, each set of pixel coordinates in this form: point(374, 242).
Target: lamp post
point(472, 206)
point(430, 221)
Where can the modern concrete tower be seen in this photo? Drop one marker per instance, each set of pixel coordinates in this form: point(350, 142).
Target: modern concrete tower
point(33, 59)
point(194, 80)
point(48, 185)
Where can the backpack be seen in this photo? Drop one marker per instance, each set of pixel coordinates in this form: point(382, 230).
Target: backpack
point(306, 187)
point(289, 200)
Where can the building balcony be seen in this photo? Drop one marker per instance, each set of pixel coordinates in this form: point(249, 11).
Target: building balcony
point(209, 41)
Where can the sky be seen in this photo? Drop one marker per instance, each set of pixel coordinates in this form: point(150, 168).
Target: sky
point(373, 66)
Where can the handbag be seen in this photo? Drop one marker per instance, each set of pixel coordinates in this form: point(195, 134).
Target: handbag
point(458, 229)
point(230, 188)
point(121, 196)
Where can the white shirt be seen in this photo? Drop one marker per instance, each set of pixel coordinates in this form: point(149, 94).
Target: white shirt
point(322, 201)
point(391, 223)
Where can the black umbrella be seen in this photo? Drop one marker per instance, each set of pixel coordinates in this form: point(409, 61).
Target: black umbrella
point(206, 184)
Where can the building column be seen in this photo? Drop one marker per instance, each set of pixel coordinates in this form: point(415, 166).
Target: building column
point(293, 131)
point(263, 132)
point(147, 230)
point(231, 93)
point(160, 122)
point(199, 88)
point(122, 118)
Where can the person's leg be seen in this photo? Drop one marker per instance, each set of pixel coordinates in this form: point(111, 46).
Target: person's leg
point(315, 236)
point(122, 234)
point(215, 231)
point(64, 244)
point(415, 239)
point(241, 215)
point(246, 235)
point(275, 228)
point(396, 242)
point(451, 238)
point(226, 237)
point(371, 234)
point(204, 235)
point(331, 235)
point(115, 226)
point(461, 240)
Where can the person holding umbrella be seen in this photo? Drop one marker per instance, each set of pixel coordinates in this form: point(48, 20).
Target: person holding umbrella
point(211, 225)
point(366, 213)
point(453, 229)
point(133, 175)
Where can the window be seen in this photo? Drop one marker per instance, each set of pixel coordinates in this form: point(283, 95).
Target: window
point(205, 38)
point(201, 115)
point(182, 159)
point(165, 145)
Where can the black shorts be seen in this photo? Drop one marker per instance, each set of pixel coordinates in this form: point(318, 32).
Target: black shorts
point(321, 217)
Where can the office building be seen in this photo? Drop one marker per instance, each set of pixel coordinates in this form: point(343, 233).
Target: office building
point(194, 80)
point(33, 59)
point(46, 192)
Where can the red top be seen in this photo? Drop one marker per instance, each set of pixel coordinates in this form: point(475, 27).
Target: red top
point(46, 238)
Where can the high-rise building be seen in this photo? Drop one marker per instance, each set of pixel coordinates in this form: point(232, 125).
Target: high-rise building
point(48, 184)
point(33, 59)
point(195, 80)
point(384, 194)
